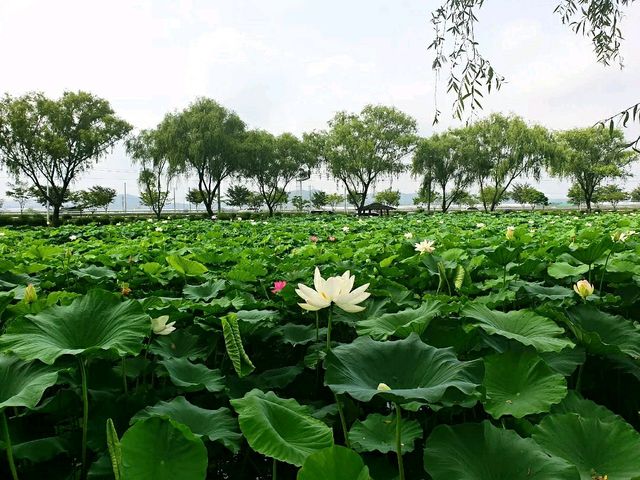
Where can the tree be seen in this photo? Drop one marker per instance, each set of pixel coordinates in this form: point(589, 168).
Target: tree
point(97, 197)
point(575, 195)
point(425, 196)
point(255, 201)
point(441, 159)
point(455, 44)
point(206, 139)
point(238, 195)
point(635, 194)
point(51, 142)
point(319, 199)
point(299, 203)
point(612, 194)
point(358, 149)
point(499, 149)
point(194, 196)
point(334, 199)
point(589, 156)
point(525, 194)
point(388, 197)
point(272, 163)
point(20, 192)
point(149, 149)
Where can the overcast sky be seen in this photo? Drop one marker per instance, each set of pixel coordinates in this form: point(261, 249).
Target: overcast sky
point(289, 65)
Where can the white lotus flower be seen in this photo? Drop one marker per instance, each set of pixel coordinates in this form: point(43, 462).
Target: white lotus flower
point(583, 288)
point(622, 237)
point(480, 225)
point(345, 229)
point(425, 246)
point(73, 237)
point(408, 235)
point(2, 234)
point(336, 290)
point(158, 229)
point(160, 325)
point(510, 233)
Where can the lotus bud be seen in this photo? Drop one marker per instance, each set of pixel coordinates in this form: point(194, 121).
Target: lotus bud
point(383, 387)
point(125, 290)
point(583, 288)
point(510, 233)
point(30, 294)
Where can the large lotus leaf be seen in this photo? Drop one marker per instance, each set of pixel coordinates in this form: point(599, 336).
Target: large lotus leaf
point(596, 446)
point(503, 255)
point(184, 266)
point(23, 384)
point(40, 449)
point(412, 369)
point(193, 377)
point(95, 273)
point(540, 292)
point(96, 321)
point(522, 326)
point(593, 251)
point(216, 425)
point(298, 334)
point(400, 324)
point(604, 333)
point(574, 403)
point(378, 433)
point(280, 428)
point(564, 270)
point(180, 343)
point(335, 463)
point(480, 451)
point(519, 384)
point(204, 291)
point(565, 361)
point(161, 449)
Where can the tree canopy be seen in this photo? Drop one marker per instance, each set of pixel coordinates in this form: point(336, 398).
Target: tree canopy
point(51, 141)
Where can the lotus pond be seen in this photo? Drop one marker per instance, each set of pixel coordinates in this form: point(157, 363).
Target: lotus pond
point(457, 347)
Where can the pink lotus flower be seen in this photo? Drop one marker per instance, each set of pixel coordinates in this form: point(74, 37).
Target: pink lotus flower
point(313, 238)
point(278, 286)
point(331, 238)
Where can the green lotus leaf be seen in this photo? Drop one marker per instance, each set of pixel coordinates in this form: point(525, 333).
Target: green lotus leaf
point(216, 425)
point(520, 384)
point(574, 403)
point(160, 449)
point(604, 333)
point(280, 428)
point(40, 450)
point(564, 270)
point(22, 384)
point(97, 321)
point(400, 324)
point(565, 361)
point(413, 370)
point(204, 291)
point(193, 377)
point(298, 334)
point(538, 291)
point(95, 273)
point(335, 463)
point(595, 250)
point(522, 326)
point(378, 433)
point(180, 343)
point(594, 445)
point(480, 451)
point(184, 266)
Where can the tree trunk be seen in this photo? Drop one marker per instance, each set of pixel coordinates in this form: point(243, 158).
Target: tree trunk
point(208, 205)
point(444, 201)
point(55, 215)
point(270, 207)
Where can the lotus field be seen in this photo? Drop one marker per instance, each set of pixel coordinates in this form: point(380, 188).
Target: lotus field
point(446, 347)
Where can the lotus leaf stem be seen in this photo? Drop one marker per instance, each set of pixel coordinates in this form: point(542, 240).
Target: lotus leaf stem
point(399, 441)
point(7, 444)
point(343, 422)
point(85, 417)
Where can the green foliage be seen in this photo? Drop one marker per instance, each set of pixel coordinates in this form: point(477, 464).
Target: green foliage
point(319, 199)
point(589, 156)
point(195, 197)
point(525, 194)
point(388, 197)
point(299, 203)
point(97, 197)
point(334, 199)
point(238, 196)
point(612, 194)
point(20, 192)
point(51, 142)
point(360, 148)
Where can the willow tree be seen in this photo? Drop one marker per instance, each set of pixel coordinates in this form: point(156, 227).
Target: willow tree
point(500, 149)
point(205, 140)
point(50, 142)
point(359, 149)
point(589, 156)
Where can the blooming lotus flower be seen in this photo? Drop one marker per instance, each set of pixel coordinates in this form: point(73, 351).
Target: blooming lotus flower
point(278, 286)
point(510, 234)
point(331, 238)
point(589, 224)
point(2, 234)
point(583, 288)
point(345, 229)
point(158, 229)
point(30, 294)
point(383, 387)
point(73, 237)
point(408, 235)
point(425, 246)
point(214, 217)
point(480, 225)
point(165, 221)
point(314, 238)
point(336, 290)
point(622, 237)
point(160, 325)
